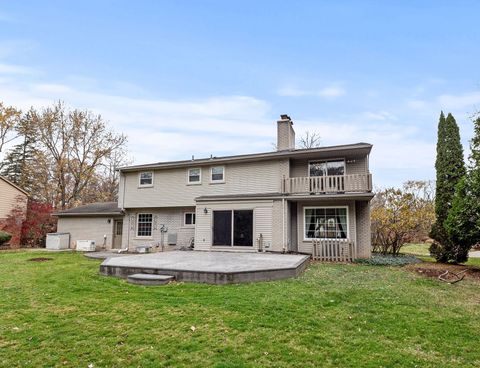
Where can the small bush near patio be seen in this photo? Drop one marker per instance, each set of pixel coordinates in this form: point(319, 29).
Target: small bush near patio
point(4, 237)
point(62, 313)
point(379, 259)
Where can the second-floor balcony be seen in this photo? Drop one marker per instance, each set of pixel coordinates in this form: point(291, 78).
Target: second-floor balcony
point(354, 183)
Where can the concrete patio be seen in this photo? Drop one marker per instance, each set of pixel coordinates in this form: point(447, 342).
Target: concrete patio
point(208, 267)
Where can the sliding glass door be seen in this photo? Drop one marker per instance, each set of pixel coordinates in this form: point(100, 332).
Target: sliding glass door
point(233, 228)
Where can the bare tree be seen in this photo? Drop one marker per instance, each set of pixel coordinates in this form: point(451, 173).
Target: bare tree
point(310, 140)
point(76, 145)
point(9, 119)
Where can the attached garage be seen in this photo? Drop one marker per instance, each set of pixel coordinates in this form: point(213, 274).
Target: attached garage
point(98, 222)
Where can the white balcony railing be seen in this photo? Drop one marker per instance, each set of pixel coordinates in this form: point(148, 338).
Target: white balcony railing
point(328, 184)
point(334, 250)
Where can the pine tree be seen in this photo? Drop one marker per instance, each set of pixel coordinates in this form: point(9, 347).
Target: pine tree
point(19, 163)
point(463, 221)
point(450, 168)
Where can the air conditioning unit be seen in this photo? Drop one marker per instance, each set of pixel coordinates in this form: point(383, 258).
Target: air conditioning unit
point(86, 245)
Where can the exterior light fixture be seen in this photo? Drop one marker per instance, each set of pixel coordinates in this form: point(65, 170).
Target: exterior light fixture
point(205, 210)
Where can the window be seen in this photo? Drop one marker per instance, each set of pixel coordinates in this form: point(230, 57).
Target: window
point(327, 168)
point(145, 179)
point(195, 176)
point(144, 224)
point(189, 218)
point(326, 223)
point(217, 174)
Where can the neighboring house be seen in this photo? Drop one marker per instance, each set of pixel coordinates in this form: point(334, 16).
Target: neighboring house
point(278, 201)
point(12, 197)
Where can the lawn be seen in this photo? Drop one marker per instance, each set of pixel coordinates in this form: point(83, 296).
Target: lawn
point(62, 313)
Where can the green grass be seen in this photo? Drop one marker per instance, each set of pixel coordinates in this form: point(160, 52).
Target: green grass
point(421, 250)
point(62, 313)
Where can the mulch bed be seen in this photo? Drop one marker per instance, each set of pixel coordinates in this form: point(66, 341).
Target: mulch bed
point(436, 269)
point(40, 259)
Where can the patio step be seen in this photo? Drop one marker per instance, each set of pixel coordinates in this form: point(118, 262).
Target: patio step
point(149, 279)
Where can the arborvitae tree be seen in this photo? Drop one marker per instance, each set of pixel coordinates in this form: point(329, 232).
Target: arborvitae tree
point(450, 169)
point(463, 221)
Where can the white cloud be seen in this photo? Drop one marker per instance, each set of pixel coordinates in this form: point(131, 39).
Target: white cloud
point(466, 100)
point(396, 150)
point(15, 69)
point(331, 91)
point(159, 129)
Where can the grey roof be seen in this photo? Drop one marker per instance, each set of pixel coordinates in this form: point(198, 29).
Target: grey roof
point(99, 209)
point(357, 148)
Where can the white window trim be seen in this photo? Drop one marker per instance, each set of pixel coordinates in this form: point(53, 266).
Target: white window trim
point(327, 160)
point(145, 185)
point(136, 229)
point(188, 176)
point(217, 181)
point(323, 207)
point(185, 219)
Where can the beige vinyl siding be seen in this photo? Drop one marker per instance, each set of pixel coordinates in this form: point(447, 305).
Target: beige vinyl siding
point(262, 223)
point(87, 228)
point(170, 187)
point(357, 165)
point(9, 198)
point(305, 246)
point(172, 218)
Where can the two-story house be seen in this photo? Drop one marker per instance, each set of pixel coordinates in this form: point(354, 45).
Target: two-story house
point(276, 201)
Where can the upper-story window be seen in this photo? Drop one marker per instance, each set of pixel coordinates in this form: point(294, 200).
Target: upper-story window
point(145, 179)
point(326, 168)
point(217, 174)
point(194, 176)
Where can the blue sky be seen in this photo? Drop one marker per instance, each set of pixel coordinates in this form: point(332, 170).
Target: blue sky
point(212, 77)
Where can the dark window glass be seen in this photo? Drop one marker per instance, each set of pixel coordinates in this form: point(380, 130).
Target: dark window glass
point(330, 168)
point(222, 227)
point(194, 175)
point(217, 173)
point(243, 228)
point(146, 178)
point(189, 219)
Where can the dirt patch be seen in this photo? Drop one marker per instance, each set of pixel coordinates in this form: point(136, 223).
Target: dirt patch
point(40, 259)
point(436, 269)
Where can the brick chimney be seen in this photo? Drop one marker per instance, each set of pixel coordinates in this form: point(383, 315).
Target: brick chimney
point(285, 134)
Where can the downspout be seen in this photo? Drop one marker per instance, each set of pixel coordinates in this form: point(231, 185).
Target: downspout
point(283, 225)
point(125, 212)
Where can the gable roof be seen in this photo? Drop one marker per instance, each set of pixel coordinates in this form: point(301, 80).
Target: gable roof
point(92, 209)
point(14, 185)
point(346, 149)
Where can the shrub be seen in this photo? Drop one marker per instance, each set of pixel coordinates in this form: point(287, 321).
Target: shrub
point(379, 259)
point(4, 237)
